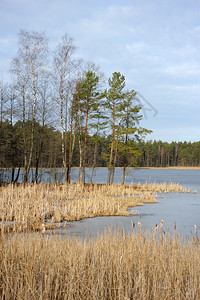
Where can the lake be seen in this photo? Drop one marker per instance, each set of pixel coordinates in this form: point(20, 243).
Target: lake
point(180, 208)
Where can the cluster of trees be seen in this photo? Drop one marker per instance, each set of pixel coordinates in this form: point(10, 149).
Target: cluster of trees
point(60, 112)
point(57, 112)
point(47, 150)
point(163, 154)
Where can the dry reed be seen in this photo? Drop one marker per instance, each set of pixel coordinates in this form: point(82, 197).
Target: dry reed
point(36, 207)
point(115, 266)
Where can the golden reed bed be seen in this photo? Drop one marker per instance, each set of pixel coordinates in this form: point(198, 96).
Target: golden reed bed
point(39, 207)
point(33, 265)
point(114, 266)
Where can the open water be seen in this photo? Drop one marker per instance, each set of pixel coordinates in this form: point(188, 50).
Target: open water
point(182, 209)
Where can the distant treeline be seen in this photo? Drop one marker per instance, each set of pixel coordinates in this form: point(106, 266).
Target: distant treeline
point(163, 154)
point(47, 152)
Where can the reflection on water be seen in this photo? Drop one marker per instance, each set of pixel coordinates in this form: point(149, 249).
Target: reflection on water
point(188, 178)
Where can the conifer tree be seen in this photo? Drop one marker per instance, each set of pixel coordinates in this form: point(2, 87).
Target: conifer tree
point(123, 109)
point(115, 95)
point(130, 129)
point(88, 102)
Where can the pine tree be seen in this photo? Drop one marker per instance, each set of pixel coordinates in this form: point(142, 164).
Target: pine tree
point(88, 103)
point(130, 130)
point(115, 95)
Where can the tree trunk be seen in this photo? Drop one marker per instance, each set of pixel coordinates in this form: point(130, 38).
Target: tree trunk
point(124, 174)
point(147, 164)
point(70, 165)
point(115, 157)
point(110, 162)
point(85, 141)
point(114, 163)
point(80, 162)
point(112, 143)
point(38, 158)
point(94, 161)
point(70, 148)
point(62, 132)
point(13, 174)
point(110, 165)
point(17, 177)
point(24, 138)
point(176, 155)
point(32, 124)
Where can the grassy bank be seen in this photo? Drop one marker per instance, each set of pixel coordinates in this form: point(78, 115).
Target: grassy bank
point(37, 207)
point(115, 266)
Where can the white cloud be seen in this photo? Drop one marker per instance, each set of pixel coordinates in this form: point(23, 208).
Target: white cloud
point(185, 70)
point(5, 42)
point(137, 47)
point(155, 44)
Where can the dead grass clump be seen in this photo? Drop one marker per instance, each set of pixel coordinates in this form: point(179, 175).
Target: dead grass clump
point(115, 266)
point(32, 207)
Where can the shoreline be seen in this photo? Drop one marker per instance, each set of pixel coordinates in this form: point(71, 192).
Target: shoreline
point(138, 168)
point(170, 168)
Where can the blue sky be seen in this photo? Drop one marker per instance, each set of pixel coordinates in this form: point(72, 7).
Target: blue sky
point(155, 44)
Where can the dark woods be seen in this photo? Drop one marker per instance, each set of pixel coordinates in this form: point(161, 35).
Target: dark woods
point(47, 150)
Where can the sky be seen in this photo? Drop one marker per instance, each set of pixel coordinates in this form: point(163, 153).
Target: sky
point(155, 44)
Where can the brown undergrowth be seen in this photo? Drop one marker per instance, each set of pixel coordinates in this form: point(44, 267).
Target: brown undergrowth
point(114, 266)
point(38, 207)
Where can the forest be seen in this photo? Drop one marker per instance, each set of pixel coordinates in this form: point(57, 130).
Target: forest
point(59, 111)
point(47, 150)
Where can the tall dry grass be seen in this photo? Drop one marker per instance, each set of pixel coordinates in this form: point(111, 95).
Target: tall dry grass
point(35, 207)
point(115, 266)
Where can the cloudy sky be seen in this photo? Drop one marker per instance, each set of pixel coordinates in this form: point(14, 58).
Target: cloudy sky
point(154, 43)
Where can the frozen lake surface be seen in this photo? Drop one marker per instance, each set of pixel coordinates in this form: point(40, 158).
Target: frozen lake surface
point(180, 208)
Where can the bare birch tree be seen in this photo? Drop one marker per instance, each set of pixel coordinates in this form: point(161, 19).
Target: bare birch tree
point(28, 67)
point(64, 66)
